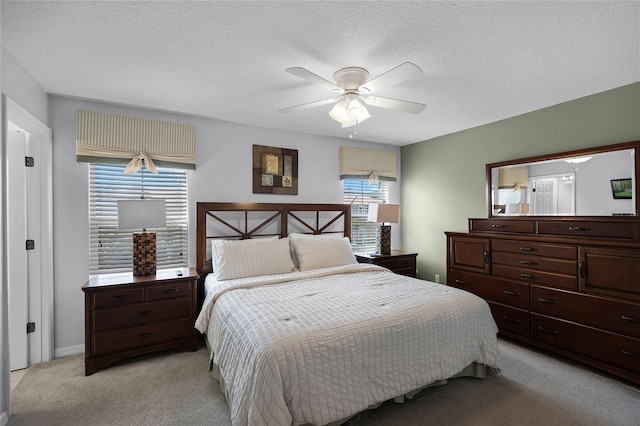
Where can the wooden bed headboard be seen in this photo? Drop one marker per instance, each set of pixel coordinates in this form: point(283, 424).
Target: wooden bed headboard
point(250, 220)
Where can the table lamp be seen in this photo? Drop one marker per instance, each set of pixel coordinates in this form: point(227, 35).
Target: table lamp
point(142, 214)
point(383, 213)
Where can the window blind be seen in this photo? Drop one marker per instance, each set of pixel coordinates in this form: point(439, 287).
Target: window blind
point(110, 250)
point(359, 194)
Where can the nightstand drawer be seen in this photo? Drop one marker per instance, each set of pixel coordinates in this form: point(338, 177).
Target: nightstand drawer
point(386, 263)
point(129, 338)
point(145, 313)
point(169, 291)
point(406, 262)
point(118, 298)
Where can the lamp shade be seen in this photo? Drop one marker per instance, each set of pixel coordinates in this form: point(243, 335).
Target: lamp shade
point(383, 213)
point(141, 214)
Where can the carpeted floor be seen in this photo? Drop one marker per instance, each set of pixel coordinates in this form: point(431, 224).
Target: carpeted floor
point(174, 388)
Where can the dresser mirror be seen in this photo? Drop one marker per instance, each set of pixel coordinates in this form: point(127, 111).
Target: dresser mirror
point(591, 182)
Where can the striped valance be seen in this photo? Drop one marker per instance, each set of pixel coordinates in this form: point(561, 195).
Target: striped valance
point(116, 139)
point(513, 177)
point(361, 163)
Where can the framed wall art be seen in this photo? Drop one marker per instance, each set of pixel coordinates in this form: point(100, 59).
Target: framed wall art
point(275, 170)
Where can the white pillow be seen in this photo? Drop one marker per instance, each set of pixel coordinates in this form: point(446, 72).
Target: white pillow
point(316, 253)
point(250, 258)
point(295, 236)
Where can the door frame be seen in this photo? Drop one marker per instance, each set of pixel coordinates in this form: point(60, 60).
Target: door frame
point(41, 307)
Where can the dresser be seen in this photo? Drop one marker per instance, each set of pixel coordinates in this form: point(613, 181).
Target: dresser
point(127, 315)
point(568, 286)
point(398, 261)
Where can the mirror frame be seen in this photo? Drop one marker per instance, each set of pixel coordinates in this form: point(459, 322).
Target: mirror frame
point(558, 156)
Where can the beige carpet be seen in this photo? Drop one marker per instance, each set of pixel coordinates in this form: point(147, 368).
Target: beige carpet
point(173, 388)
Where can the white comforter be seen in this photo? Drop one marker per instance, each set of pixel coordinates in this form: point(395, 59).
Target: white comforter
point(318, 346)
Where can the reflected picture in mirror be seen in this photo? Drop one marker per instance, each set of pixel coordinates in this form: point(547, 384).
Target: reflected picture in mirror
point(577, 183)
point(621, 189)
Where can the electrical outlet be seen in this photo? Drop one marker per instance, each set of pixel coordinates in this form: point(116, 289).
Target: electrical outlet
point(437, 277)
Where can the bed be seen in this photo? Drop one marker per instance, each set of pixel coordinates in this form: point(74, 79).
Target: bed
point(300, 333)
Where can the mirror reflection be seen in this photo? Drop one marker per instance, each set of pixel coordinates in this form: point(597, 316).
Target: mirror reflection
point(600, 184)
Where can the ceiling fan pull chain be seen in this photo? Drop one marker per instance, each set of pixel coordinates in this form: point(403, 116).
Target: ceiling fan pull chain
point(355, 131)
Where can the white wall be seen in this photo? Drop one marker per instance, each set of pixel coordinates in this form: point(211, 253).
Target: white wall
point(17, 84)
point(223, 173)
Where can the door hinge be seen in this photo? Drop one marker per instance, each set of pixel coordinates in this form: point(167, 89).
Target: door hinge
point(29, 161)
point(31, 244)
point(31, 327)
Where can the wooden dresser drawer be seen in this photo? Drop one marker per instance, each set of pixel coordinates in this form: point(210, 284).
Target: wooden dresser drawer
point(536, 277)
point(510, 319)
point(144, 313)
point(118, 297)
point(501, 225)
point(611, 348)
point(537, 249)
point(588, 229)
point(608, 314)
point(492, 289)
point(560, 266)
point(130, 338)
point(168, 291)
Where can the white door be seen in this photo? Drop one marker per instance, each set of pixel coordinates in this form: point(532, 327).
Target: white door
point(29, 205)
point(545, 200)
point(17, 265)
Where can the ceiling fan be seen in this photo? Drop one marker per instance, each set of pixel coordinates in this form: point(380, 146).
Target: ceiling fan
point(353, 87)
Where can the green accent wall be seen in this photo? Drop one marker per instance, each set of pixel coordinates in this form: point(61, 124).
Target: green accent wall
point(444, 179)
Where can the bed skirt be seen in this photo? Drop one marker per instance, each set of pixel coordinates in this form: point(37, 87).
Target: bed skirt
point(474, 369)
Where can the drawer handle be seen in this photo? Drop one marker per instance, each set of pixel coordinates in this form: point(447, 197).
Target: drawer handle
point(498, 226)
point(528, 249)
point(119, 298)
point(172, 291)
point(511, 293)
point(549, 301)
point(630, 354)
point(144, 335)
point(528, 262)
point(533, 277)
point(547, 330)
point(145, 313)
point(485, 256)
point(511, 319)
point(461, 282)
point(579, 228)
point(626, 318)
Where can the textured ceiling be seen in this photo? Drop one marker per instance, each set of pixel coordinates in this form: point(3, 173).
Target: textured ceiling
point(482, 61)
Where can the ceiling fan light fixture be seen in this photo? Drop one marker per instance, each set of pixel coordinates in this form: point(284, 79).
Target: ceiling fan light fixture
point(340, 111)
point(349, 111)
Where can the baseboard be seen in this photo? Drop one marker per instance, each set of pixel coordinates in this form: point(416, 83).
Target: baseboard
point(69, 350)
point(4, 418)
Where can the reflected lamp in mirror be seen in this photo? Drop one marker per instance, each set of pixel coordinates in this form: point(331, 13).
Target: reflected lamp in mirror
point(383, 214)
point(142, 214)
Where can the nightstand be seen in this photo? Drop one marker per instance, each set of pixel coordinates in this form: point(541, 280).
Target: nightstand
point(399, 261)
point(127, 315)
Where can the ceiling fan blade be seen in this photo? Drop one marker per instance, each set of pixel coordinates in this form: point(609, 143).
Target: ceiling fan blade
point(405, 106)
point(308, 105)
point(395, 75)
point(314, 78)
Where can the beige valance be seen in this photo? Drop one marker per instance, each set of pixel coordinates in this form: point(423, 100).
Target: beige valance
point(137, 142)
point(513, 177)
point(362, 163)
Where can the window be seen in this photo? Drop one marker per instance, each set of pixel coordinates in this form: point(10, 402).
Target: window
point(359, 194)
point(110, 250)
